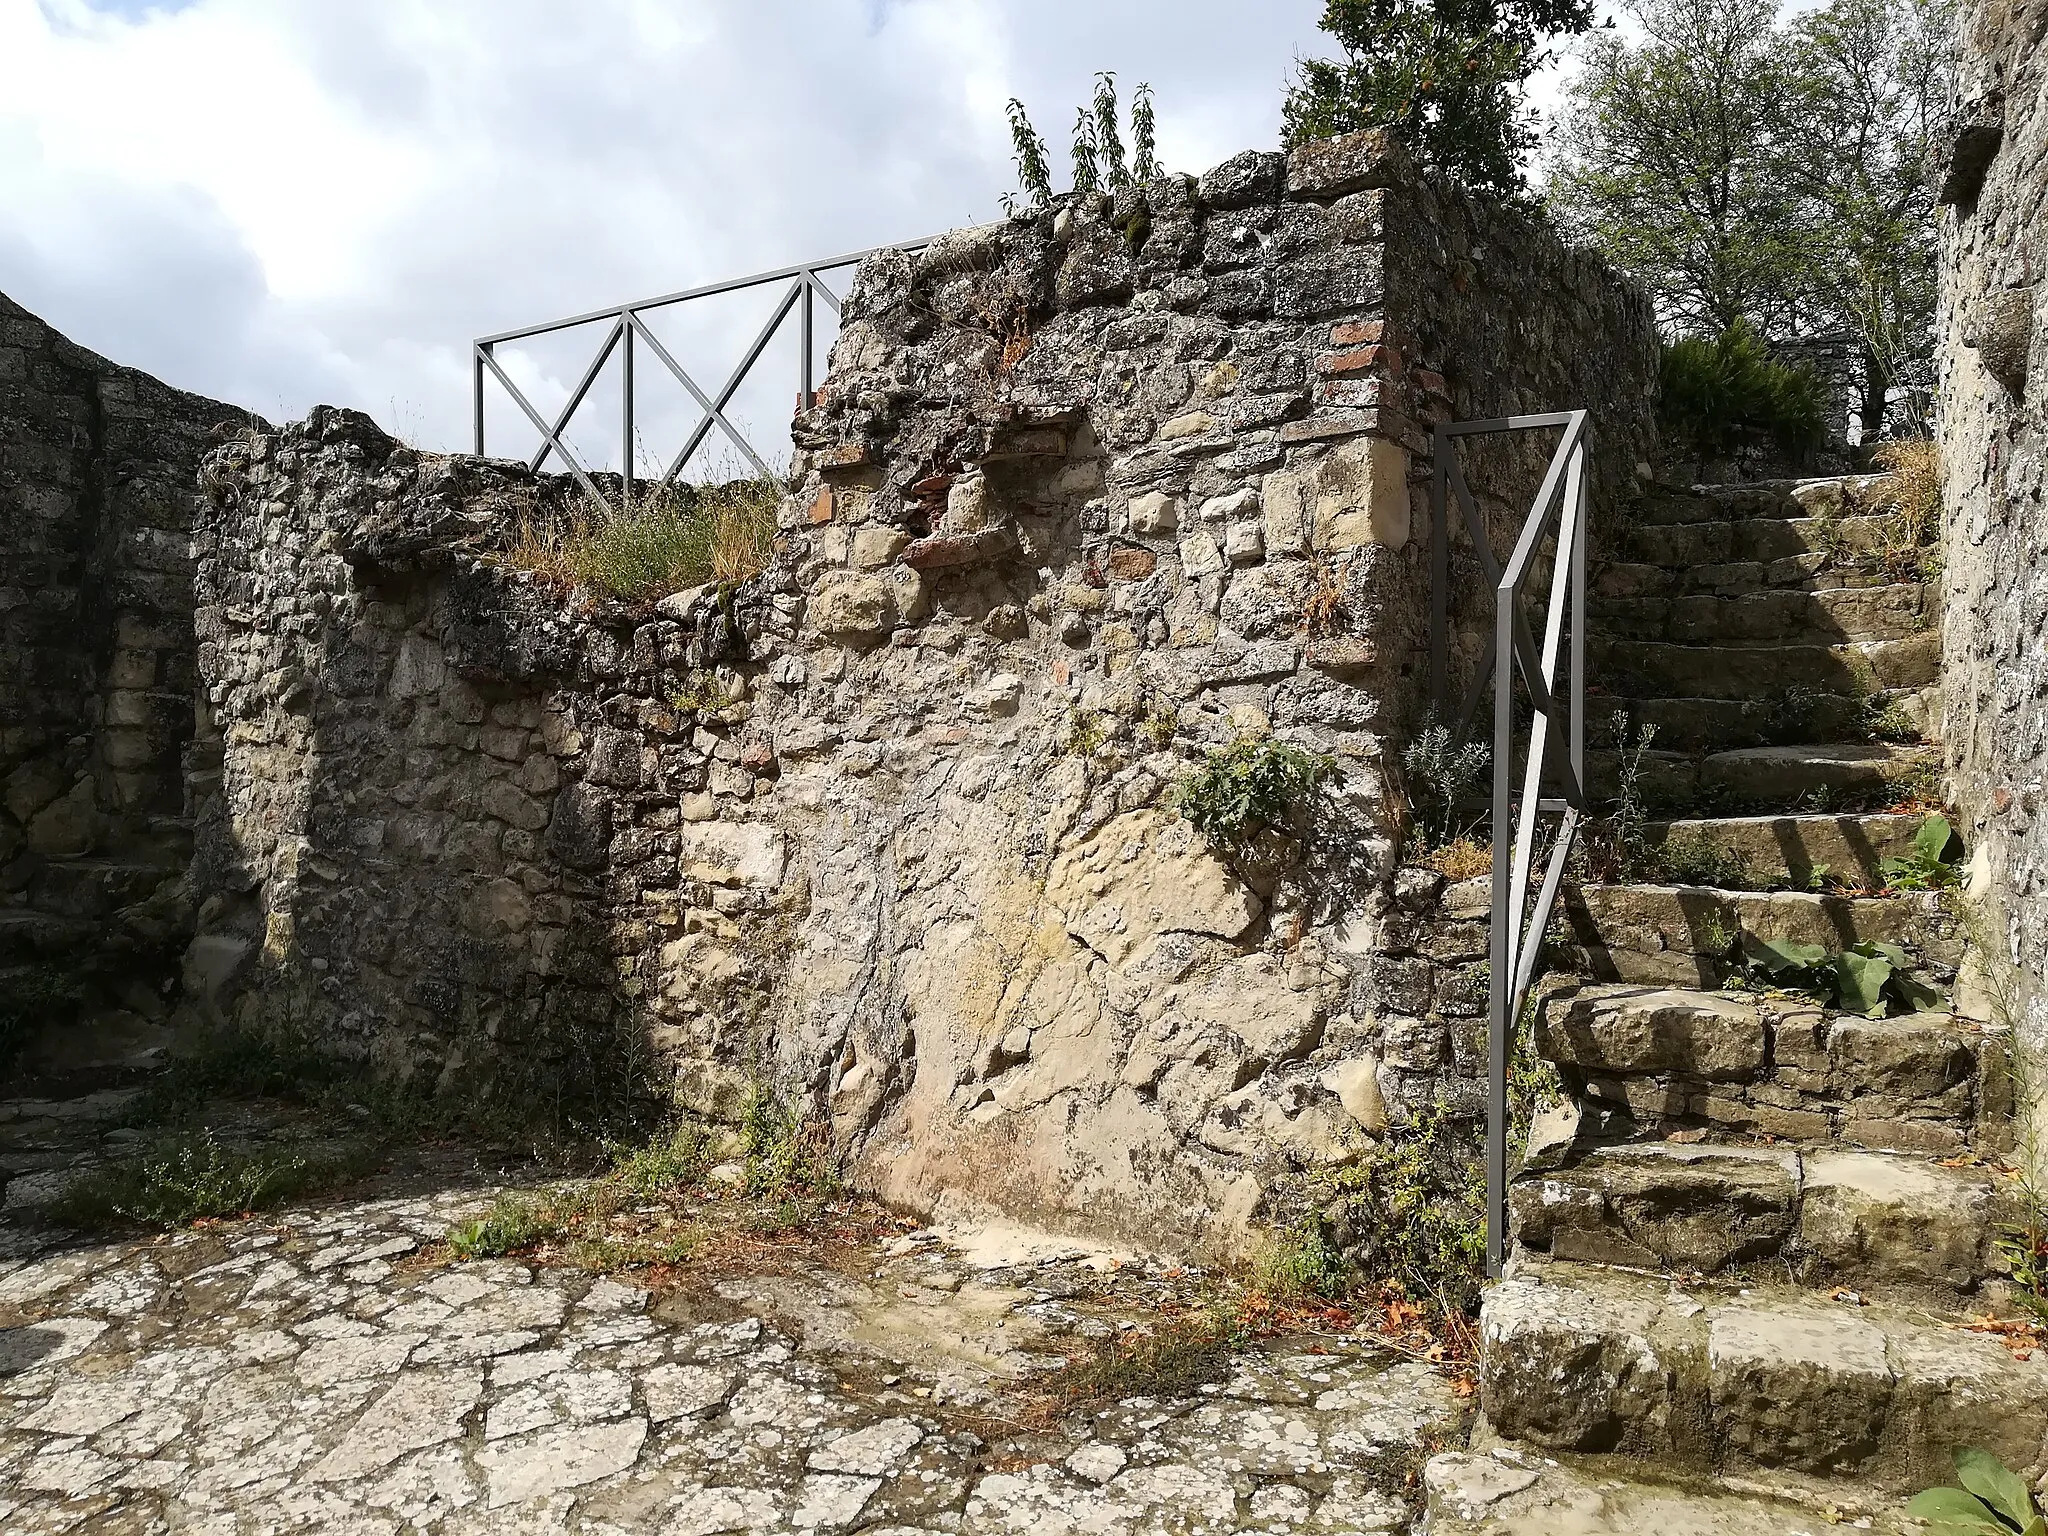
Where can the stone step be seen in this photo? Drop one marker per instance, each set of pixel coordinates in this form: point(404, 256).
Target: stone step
point(1771, 852)
point(1748, 780)
point(1782, 717)
point(1686, 935)
point(88, 888)
point(1658, 667)
point(1828, 617)
point(1812, 571)
point(1784, 548)
point(1649, 1059)
point(1512, 1491)
point(1712, 1380)
point(29, 938)
point(1889, 1224)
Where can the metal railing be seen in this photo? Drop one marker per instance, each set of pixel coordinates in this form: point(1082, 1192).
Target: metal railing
point(629, 331)
point(1518, 927)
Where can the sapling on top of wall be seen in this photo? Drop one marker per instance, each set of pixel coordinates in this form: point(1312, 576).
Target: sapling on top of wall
point(1097, 154)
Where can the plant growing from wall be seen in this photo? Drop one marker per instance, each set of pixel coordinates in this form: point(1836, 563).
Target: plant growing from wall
point(1244, 792)
point(668, 541)
point(1441, 771)
point(1991, 1501)
point(1096, 156)
point(1867, 978)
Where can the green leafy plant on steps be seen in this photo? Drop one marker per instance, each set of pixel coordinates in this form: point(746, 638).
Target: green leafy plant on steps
point(1992, 1501)
point(1249, 789)
point(1923, 866)
point(1867, 978)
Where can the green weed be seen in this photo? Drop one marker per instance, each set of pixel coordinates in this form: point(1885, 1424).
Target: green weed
point(1867, 978)
point(1249, 789)
point(673, 538)
point(176, 1180)
point(1441, 772)
point(34, 998)
point(1924, 866)
point(1176, 1359)
point(1991, 1500)
point(789, 1157)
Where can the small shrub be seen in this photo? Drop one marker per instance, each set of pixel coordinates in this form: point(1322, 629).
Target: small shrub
point(514, 1221)
point(1248, 789)
point(174, 1181)
point(1465, 859)
point(1712, 392)
point(1441, 772)
point(1908, 550)
point(788, 1157)
point(674, 538)
point(673, 1161)
point(1923, 866)
point(1867, 978)
point(31, 999)
point(1693, 858)
point(1992, 1501)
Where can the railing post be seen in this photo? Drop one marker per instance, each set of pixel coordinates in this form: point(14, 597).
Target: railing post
point(1578, 661)
point(626, 413)
point(1439, 577)
point(476, 364)
point(805, 325)
point(1500, 948)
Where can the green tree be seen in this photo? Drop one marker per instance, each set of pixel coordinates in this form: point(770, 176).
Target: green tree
point(1097, 155)
point(1749, 170)
point(1872, 77)
point(1444, 77)
point(1671, 160)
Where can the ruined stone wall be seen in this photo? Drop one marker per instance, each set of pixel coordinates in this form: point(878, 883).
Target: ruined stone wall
point(98, 481)
point(891, 828)
point(1993, 430)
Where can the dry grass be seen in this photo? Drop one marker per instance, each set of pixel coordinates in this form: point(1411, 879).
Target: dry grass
point(675, 538)
point(1913, 490)
point(1465, 859)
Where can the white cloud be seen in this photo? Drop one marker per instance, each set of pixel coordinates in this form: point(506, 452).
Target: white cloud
point(284, 201)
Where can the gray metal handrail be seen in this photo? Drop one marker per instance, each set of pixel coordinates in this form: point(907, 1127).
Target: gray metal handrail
point(1518, 928)
point(628, 327)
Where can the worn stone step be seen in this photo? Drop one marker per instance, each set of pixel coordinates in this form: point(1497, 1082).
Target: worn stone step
point(1825, 617)
point(1510, 1490)
point(1751, 780)
point(1712, 1380)
point(1884, 1222)
point(27, 938)
point(1811, 571)
point(89, 888)
point(1782, 717)
point(1692, 922)
point(1783, 548)
point(1719, 671)
point(1767, 852)
point(1651, 1058)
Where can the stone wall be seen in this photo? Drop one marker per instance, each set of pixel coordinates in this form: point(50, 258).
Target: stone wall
point(890, 829)
point(98, 481)
point(1993, 430)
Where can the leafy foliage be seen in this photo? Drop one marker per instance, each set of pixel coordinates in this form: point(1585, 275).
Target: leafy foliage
point(1746, 167)
point(1711, 391)
point(1992, 1501)
point(1441, 772)
point(1923, 867)
point(1248, 789)
point(33, 998)
point(789, 1156)
point(173, 1180)
point(1413, 1212)
point(1097, 157)
point(1444, 77)
point(1867, 978)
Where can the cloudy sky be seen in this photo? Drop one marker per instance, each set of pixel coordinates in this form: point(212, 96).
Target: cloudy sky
point(280, 202)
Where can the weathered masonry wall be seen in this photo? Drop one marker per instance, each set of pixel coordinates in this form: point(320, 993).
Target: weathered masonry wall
point(98, 482)
point(1993, 402)
point(890, 828)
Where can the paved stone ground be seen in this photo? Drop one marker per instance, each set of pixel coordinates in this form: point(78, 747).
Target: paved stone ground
point(332, 1369)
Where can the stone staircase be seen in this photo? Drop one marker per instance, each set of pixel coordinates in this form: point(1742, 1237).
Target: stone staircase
point(1747, 1255)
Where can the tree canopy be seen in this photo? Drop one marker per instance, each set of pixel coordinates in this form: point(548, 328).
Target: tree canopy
point(1445, 77)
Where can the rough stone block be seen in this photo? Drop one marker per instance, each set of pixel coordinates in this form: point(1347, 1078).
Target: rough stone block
point(1326, 169)
point(1629, 1029)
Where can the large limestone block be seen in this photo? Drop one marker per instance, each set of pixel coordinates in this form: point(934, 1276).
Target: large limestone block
point(853, 607)
point(1362, 495)
point(1799, 1386)
point(733, 853)
point(1649, 1029)
point(1662, 1205)
point(1894, 1218)
point(1144, 874)
point(1573, 1367)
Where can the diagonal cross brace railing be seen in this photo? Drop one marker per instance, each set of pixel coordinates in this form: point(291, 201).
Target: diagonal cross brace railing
point(1559, 711)
point(629, 331)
